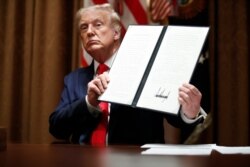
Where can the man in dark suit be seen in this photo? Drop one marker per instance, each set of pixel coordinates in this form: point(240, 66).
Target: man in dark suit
point(79, 114)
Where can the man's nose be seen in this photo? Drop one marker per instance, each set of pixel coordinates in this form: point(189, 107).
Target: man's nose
point(90, 30)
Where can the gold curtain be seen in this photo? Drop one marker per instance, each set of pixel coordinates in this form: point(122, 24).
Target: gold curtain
point(229, 50)
point(38, 46)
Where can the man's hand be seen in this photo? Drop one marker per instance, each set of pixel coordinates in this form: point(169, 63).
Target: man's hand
point(190, 98)
point(96, 87)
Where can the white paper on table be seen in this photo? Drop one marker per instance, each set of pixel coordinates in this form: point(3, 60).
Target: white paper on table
point(197, 149)
point(177, 149)
point(178, 146)
point(232, 150)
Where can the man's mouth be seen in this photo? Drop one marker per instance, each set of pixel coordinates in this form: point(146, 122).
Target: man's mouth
point(92, 42)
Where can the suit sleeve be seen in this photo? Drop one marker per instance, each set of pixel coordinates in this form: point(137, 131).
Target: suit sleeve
point(180, 121)
point(71, 119)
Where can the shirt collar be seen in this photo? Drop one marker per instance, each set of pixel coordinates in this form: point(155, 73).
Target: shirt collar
point(108, 63)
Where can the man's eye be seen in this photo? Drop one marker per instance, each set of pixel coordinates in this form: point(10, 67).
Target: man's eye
point(83, 27)
point(98, 24)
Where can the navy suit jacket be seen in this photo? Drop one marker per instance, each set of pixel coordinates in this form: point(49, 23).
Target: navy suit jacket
point(72, 121)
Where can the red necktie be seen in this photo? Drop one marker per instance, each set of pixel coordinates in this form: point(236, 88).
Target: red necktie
point(98, 137)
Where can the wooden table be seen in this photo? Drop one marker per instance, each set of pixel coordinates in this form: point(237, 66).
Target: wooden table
point(64, 155)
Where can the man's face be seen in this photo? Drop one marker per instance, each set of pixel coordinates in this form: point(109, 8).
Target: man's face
point(97, 33)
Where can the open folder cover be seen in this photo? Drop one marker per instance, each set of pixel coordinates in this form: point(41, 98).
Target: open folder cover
point(152, 63)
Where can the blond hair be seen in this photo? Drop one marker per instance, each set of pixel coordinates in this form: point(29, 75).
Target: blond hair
point(115, 19)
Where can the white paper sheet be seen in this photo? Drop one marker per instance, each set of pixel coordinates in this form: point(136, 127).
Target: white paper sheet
point(232, 150)
point(173, 66)
point(198, 149)
point(205, 146)
point(177, 151)
point(130, 63)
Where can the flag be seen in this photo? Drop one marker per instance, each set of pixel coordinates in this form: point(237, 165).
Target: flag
point(140, 12)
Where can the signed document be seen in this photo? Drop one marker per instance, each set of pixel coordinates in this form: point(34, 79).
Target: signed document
point(152, 63)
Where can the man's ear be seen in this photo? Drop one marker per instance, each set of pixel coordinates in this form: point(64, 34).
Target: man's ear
point(116, 35)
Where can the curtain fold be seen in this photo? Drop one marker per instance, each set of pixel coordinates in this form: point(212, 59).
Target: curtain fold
point(38, 50)
point(229, 47)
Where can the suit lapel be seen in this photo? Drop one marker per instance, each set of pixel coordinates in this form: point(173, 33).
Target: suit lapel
point(84, 77)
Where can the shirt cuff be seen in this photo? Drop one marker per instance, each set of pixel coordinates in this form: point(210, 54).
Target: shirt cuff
point(201, 114)
point(95, 111)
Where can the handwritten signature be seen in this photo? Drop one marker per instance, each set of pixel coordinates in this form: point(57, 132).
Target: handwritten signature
point(162, 93)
